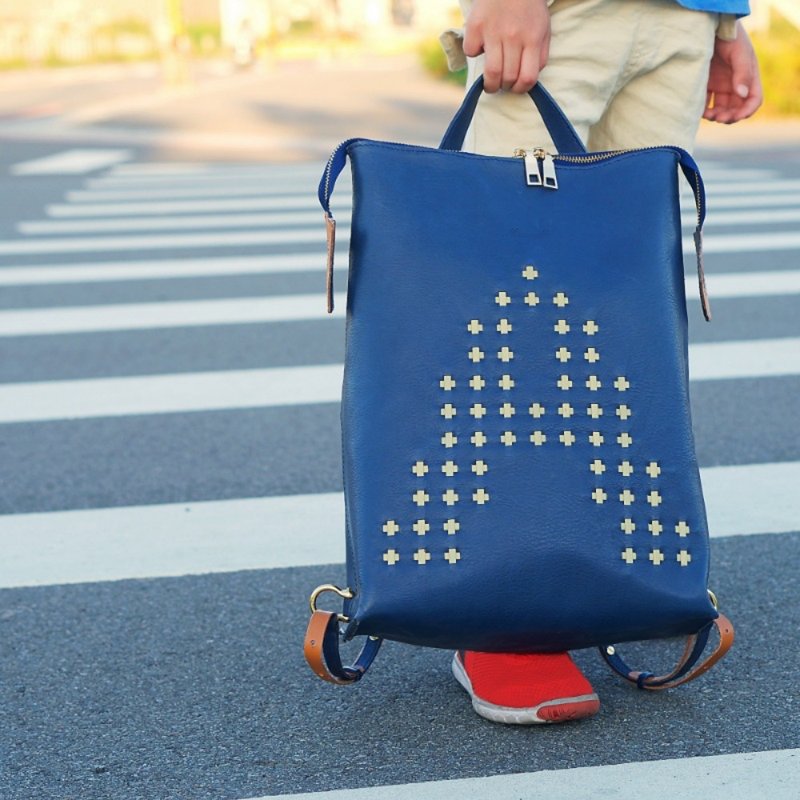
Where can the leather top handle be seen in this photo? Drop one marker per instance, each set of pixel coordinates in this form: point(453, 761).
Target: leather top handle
point(558, 126)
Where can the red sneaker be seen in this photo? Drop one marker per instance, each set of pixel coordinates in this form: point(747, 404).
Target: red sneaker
point(525, 689)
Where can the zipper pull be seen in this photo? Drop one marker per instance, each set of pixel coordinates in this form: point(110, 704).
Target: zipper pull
point(532, 175)
point(549, 171)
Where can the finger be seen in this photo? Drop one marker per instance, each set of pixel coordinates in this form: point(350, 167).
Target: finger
point(493, 66)
point(528, 71)
point(747, 108)
point(473, 41)
point(753, 102)
point(512, 55)
point(544, 52)
point(725, 107)
point(742, 77)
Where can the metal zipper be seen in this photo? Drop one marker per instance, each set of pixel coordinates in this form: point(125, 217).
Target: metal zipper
point(548, 159)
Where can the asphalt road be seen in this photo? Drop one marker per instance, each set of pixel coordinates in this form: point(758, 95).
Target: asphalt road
point(193, 686)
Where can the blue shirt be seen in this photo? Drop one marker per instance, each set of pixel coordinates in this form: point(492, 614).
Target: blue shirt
point(739, 7)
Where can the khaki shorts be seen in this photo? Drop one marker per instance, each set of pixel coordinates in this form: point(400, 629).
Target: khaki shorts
point(627, 73)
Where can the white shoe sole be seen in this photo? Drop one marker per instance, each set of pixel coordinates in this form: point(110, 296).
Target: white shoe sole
point(578, 707)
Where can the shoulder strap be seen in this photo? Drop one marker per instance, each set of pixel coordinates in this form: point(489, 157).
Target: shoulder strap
point(321, 650)
point(685, 670)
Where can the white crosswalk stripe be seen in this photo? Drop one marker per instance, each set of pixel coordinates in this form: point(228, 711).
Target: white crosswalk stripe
point(157, 269)
point(71, 162)
point(280, 386)
point(292, 531)
point(185, 222)
point(741, 776)
point(240, 218)
point(150, 209)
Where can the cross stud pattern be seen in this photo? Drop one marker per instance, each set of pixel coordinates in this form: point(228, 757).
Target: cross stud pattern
point(563, 354)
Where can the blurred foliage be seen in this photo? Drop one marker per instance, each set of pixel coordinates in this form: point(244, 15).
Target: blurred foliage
point(778, 53)
point(204, 37)
point(435, 61)
point(132, 26)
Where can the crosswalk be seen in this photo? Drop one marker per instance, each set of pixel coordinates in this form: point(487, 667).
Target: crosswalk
point(172, 228)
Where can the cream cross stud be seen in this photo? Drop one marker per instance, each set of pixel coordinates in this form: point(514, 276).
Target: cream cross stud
point(422, 556)
point(449, 468)
point(627, 525)
point(532, 299)
point(505, 382)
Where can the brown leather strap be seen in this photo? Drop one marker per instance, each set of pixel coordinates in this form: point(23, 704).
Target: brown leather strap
point(318, 627)
point(330, 235)
point(726, 637)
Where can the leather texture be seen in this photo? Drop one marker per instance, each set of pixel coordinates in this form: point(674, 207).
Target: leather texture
point(519, 465)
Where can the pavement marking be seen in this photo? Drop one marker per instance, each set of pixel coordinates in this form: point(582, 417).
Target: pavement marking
point(156, 269)
point(175, 241)
point(310, 218)
point(746, 200)
point(746, 187)
point(239, 189)
point(763, 358)
point(204, 222)
point(310, 202)
point(274, 203)
point(721, 285)
point(747, 242)
point(744, 284)
point(233, 190)
point(753, 242)
point(157, 541)
point(282, 386)
point(179, 314)
point(168, 168)
point(258, 175)
point(773, 774)
point(70, 162)
point(747, 498)
point(775, 216)
point(171, 393)
point(712, 171)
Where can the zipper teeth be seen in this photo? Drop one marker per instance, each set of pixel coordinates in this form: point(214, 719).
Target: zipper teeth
point(328, 167)
point(577, 159)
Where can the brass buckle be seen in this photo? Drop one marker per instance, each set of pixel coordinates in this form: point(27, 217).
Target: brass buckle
point(346, 594)
point(713, 598)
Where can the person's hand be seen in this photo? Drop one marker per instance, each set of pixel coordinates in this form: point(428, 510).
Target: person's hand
point(734, 86)
point(515, 37)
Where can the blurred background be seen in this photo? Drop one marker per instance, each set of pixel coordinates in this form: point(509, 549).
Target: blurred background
point(274, 78)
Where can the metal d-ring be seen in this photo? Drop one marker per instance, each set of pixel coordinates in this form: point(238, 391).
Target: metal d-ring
point(346, 594)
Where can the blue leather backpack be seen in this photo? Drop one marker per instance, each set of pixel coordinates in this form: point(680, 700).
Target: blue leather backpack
point(519, 465)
